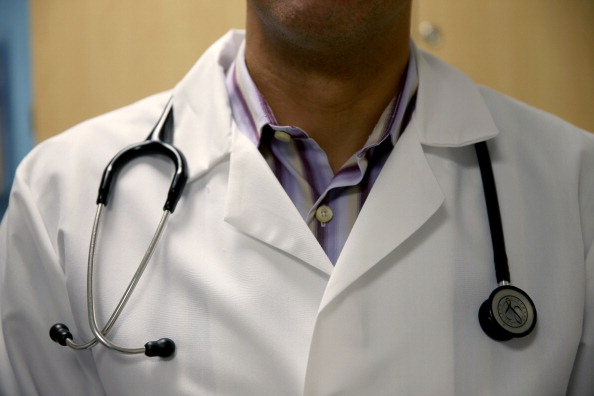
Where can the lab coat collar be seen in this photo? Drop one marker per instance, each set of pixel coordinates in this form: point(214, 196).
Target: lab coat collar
point(201, 109)
point(450, 110)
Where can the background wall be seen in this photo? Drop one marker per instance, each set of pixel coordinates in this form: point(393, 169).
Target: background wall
point(539, 51)
point(94, 56)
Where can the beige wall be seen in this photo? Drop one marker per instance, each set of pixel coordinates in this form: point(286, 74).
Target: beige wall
point(93, 56)
point(539, 51)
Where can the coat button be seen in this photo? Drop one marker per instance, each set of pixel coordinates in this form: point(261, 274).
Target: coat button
point(282, 136)
point(324, 214)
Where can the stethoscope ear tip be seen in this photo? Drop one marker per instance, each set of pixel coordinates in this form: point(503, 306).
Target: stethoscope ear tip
point(164, 347)
point(60, 333)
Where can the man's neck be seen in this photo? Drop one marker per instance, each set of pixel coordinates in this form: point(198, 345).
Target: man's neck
point(336, 95)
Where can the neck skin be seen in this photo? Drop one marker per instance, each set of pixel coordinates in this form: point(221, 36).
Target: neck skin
point(334, 94)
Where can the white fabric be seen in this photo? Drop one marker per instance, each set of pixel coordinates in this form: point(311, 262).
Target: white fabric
point(242, 286)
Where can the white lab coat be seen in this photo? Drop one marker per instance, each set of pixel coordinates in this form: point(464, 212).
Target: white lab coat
point(242, 286)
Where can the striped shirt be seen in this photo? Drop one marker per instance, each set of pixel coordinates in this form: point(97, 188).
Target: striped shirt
point(329, 203)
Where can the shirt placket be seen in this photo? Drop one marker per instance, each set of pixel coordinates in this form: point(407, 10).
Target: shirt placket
point(331, 201)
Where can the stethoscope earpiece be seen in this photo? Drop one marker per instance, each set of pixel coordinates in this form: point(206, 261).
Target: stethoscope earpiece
point(60, 333)
point(508, 313)
point(163, 347)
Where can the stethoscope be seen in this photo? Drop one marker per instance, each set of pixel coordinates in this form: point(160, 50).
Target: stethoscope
point(158, 142)
point(507, 313)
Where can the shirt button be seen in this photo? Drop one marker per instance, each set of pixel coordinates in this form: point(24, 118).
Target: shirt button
point(282, 136)
point(324, 214)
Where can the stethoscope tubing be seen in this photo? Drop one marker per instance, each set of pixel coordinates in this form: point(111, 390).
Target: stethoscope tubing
point(100, 334)
point(92, 317)
point(494, 214)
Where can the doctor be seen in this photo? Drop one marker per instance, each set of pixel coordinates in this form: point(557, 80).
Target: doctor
point(332, 238)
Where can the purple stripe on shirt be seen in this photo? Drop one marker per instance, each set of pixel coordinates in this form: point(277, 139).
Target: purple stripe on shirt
point(239, 104)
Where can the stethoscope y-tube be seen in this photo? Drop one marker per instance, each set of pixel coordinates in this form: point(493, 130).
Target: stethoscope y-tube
point(158, 142)
point(507, 313)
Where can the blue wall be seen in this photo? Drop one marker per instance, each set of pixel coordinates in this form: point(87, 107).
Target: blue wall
point(15, 89)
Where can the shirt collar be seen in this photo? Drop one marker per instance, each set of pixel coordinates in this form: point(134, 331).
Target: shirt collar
point(252, 113)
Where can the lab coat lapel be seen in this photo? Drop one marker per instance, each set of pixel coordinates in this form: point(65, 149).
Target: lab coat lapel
point(258, 206)
point(256, 202)
point(450, 112)
point(201, 109)
point(404, 197)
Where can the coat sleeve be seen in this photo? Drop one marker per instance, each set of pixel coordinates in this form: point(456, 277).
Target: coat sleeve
point(582, 380)
point(30, 273)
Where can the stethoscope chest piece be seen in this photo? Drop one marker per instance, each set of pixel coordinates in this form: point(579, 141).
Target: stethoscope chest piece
point(508, 313)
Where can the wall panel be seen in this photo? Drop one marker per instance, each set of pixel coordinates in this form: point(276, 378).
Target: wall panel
point(539, 51)
point(93, 56)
